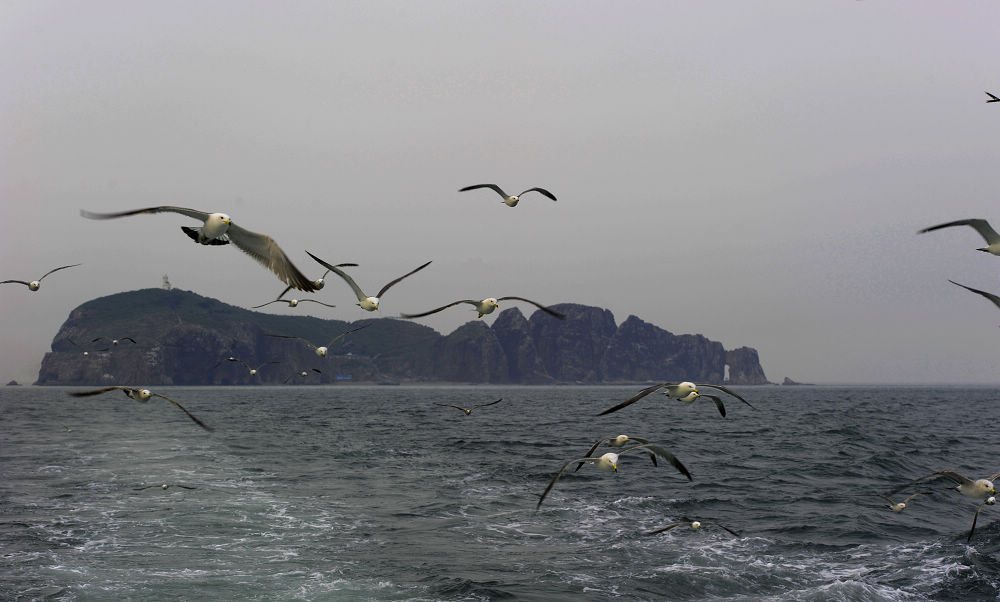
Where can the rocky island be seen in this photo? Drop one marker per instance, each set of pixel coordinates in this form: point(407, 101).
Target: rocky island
point(182, 338)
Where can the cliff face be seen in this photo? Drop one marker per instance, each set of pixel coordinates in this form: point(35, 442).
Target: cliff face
point(184, 339)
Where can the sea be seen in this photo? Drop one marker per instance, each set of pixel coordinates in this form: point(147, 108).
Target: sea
point(381, 493)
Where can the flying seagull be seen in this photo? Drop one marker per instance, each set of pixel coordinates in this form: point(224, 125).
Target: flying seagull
point(468, 410)
point(694, 525)
point(320, 282)
point(253, 371)
point(321, 351)
point(509, 200)
point(486, 306)
point(684, 391)
point(992, 98)
point(34, 284)
point(292, 302)
point(142, 395)
point(609, 462)
point(989, 502)
point(163, 486)
point(367, 303)
point(114, 341)
point(219, 229)
point(897, 506)
point(994, 298)
point(618, 441)
point(978, 489)
point(302, 374)
point(982, 226)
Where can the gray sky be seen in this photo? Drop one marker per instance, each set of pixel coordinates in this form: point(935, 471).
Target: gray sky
point(752, 171)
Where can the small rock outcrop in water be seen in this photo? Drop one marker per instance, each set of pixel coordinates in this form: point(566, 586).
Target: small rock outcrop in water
point(184, 339)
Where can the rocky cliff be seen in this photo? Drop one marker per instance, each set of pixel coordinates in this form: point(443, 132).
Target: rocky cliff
point(184, 339)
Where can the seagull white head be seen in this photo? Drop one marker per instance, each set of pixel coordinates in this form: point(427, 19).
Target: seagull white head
point(321, 351)
point(619, 441)
point(511, 200)
point(608, 462)
point(293, 302)
point(144, 395)
point(990, 501)
point(253, 371)
point(369, 304)
point(682, 391)
point(486, 306)
point(33, 285)
point(695, 525)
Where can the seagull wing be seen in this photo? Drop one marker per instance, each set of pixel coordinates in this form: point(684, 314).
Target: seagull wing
point(183, 409)
point(708, 522)
point(16, 282)
point(635, 398)
point(270, 302)
point(448, 405)
point(315, 301)
point(994, 98)
point(725, 390)
point(347, 332)
point(590, 452)
point(490, 186)
point(994, 298)
point(667, 528)
point(267, 253)
point(57, 269)
point(99, 391)
point(551, 312)
point(940, 474)
point(128, 339)
point(974, 519)
point(662, 452)
point(981, 226)
point(434, 311)
point(184, 486)
point(541, 190)
point(718, 403)
point(192, 213)
point(552, 483)
point(350, 281)
point(483, 405)
point(290, 336)
point(386, 287)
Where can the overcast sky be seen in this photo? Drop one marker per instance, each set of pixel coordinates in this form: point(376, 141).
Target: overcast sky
point(752, 171)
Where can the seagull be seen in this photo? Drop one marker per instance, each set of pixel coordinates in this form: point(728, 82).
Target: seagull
point(992, 98)
point(509, 200)
point(142, 395)
point(897, 506)
point(367, 303)
point(302, 374)
point(34, 284)
point(163, 486)
point(694, 525)
point(321, 351)
point(486, 306)
point(253, 371)
point(994, 298)
point(609, 462)
point(114, 341)
point(618, 441)
point(989, 502)
point(219, 229)
point(320, 282)
point(978, 489)
point(684, 391)
point(292, 302)
point(469, 410)
point(981, 226)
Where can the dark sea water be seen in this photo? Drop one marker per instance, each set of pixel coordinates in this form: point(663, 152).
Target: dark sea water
point(375, 493)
